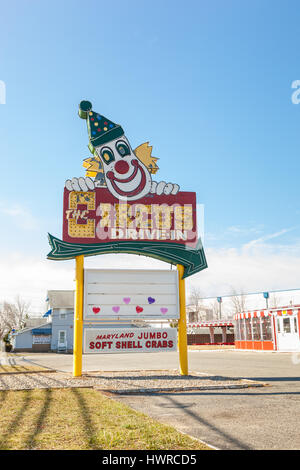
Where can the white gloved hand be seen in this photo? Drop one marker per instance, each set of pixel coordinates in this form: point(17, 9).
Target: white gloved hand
point(80, 184)
point(164, 188)
point(87, 184)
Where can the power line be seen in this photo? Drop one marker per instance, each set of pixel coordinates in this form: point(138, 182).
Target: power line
point(249, 293)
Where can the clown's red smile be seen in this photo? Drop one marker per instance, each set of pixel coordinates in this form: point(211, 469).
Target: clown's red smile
point(122, 167)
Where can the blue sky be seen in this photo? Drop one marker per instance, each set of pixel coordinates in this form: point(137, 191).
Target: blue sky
point(207, 83)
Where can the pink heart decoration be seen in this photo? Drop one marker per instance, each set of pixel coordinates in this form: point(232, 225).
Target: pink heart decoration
point(96, 309)
point(116, 309)
point(127, 300)
point(163, 310)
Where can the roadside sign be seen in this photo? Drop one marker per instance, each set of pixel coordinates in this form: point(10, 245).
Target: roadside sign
point(108, 340)
point(130, 293)
point(121, 207)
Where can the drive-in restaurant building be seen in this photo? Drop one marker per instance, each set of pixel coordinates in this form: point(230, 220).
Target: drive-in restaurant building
point(268, 329)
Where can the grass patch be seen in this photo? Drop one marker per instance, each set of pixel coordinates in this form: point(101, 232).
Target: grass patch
point(81, 419)
point(5, 369)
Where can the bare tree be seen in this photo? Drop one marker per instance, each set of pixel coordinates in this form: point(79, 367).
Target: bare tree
point(274, 301)
point(195, 300)
point(13, 316)
point(215, 308)
point(21, 308)
point(5, 324)
point(238, 301)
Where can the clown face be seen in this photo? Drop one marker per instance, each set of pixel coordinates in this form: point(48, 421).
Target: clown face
point(127, 178)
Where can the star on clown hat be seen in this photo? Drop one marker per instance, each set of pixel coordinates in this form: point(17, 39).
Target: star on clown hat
point(101, 130)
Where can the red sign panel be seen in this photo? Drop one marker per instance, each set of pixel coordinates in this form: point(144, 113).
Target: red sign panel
point(97, 216)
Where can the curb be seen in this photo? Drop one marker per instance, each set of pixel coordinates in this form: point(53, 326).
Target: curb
point(198, 440)
point(47, 388)
point(27, 372)
point(180, 389)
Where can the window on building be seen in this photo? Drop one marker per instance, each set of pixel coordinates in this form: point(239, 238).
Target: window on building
point(242, 330)
point(62, 313)
point(286, 325)
point(62, 337)
point(248, 329)
point(295, 325)
point(193, 317)
point(278, 325)
point(237, 332)
point(266, 323)
point(256, 329)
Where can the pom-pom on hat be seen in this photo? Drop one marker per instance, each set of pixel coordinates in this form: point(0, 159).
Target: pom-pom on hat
point(101, 130)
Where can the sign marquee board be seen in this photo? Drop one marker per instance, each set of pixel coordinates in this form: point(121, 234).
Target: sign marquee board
point(97, 217)
point(130, 293)
point(129, 340)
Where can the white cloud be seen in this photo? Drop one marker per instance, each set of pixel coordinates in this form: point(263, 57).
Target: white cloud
point(19, 215)
point(31, 276)
point(251, 268)
point(239, 230)
point(265, 238)
point(235, 232)
point(255, 267)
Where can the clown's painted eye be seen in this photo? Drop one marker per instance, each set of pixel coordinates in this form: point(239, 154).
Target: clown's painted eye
point(107, 155)
point(122, 148)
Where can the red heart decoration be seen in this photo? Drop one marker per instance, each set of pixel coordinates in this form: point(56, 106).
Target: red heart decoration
point(96, 309)
point(139, 309)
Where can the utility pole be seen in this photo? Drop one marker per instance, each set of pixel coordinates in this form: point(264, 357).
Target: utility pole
point(266, 296)
point(219, 299)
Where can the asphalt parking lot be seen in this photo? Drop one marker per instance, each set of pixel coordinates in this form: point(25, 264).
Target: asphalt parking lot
point(254, 418)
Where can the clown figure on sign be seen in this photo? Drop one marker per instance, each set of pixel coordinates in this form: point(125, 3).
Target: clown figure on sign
point(127, 174)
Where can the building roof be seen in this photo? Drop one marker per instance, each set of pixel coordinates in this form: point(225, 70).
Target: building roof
point(45, 326)
point(61, 298)
point(42, 331)
point(34, 322)
point(208, 324)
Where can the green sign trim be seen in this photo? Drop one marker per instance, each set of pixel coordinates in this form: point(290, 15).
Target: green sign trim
point(193, 259)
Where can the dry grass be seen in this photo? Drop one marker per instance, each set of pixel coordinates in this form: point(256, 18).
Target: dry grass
point(80, 419)
point(20, 369)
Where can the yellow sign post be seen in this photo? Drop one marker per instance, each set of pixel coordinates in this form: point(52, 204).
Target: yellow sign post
point(78, 318)
point(182, 333)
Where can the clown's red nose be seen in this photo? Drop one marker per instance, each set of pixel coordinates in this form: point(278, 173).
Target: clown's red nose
point(121, 167)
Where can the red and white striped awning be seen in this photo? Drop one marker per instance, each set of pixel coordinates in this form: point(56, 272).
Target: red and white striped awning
point(261, 313)
point(266, 313)
point(289, 311)
point(208, 324)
